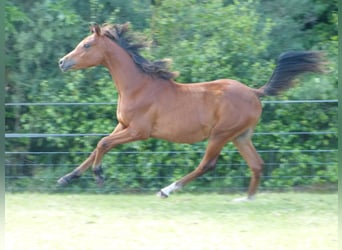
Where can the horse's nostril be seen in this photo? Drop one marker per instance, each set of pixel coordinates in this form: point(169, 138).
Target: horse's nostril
point(61, 62)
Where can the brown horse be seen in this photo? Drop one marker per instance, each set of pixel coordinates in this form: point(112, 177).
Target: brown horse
point(152, 104)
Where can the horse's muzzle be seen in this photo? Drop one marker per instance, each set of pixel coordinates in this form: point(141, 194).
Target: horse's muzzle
point(65, 64)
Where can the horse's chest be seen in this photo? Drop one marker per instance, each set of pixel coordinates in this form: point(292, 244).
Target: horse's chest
point(126, 113)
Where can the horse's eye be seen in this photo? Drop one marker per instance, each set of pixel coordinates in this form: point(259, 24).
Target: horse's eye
point(87, 45)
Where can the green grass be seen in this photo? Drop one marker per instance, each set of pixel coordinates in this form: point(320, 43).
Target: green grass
point(184, 221)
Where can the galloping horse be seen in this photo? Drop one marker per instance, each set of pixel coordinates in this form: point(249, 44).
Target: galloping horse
point(152, 105)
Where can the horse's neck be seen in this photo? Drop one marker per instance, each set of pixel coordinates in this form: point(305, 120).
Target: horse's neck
point(128, 78)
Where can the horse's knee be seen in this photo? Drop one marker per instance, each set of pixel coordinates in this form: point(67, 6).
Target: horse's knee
point(103, 144)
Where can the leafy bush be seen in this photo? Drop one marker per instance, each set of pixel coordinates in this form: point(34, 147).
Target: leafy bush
point(207, 40)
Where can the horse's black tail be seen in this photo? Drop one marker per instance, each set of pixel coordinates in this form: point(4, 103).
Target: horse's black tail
point(290, 65)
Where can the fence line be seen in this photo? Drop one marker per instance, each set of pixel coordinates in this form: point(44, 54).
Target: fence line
point(37, 135)
point(177, 152)
point(17, 161)
point(115, 103)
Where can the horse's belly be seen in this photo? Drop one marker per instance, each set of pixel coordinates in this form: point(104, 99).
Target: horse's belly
point(182, 132)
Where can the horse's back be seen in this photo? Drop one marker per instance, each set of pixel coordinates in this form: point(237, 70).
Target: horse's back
point(227, 94)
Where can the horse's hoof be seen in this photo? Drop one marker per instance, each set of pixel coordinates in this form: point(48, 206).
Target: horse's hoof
point(63, 181)
point(162, 195)
point(243, 199)
point(66, 179)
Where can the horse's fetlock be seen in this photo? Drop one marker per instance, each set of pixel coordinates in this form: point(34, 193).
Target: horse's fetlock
point(98, 171)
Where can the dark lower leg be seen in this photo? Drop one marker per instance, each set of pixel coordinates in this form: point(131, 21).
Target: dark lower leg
point(97, 167)
point(66, 179)
point(78, 171)
point(98, 174)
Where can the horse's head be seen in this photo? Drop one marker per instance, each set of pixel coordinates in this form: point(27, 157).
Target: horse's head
point(86, 54)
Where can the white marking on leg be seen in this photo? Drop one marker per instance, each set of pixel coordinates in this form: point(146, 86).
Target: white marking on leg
point(244, 199)
point(169, 189)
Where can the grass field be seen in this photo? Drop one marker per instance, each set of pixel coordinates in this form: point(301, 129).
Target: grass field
point(184, 221)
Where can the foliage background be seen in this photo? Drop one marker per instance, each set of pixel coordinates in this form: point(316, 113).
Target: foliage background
point(207, 40)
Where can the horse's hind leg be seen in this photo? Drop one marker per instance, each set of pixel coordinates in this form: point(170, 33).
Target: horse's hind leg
point(255, 163)
point(208, 163)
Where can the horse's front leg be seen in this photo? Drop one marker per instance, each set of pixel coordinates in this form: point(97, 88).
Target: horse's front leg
point(126, 135)
point(77, 172)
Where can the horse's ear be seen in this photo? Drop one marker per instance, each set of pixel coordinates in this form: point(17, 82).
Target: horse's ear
point(126, 26)
point(95, 28)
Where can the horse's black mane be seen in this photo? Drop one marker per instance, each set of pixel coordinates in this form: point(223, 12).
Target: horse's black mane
point(132, 43)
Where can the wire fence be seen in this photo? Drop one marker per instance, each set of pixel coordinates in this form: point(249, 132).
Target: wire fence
point(31, 167)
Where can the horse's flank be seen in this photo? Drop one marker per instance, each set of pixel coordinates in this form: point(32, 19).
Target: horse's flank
point(190, 120)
